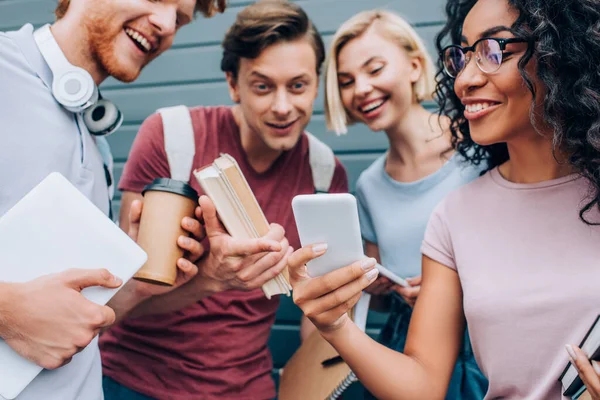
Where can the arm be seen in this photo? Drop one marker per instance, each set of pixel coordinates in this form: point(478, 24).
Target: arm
point(434, 338)
point(136, 292)
point(230, 264)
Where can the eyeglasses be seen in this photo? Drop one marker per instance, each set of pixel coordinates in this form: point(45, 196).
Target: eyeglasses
point(488, 55)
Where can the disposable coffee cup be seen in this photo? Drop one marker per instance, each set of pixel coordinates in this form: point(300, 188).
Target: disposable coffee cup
point(166, 203)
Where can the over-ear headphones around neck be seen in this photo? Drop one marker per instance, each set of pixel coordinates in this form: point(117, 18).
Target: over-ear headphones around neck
point(74, 88)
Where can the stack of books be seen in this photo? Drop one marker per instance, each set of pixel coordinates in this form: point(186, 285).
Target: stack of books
point(238, 209)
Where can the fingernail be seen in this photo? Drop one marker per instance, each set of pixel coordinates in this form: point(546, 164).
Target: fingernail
point(372, 274)
point(117, 280)
point(319, 248)
point(367, 263)
point(596, 366)
point(571, 352)
point(184, 240)
point(187, 221)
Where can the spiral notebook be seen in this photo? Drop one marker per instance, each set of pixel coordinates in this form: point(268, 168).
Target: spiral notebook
point(57, 228)
point(316, 371)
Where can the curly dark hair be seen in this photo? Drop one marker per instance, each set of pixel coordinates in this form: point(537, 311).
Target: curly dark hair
point(565, 37)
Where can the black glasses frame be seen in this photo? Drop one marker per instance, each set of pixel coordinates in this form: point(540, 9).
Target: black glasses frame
point(502, 42)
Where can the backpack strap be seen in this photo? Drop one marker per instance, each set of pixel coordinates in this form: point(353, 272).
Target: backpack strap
point(322, 163)
point(179, 141)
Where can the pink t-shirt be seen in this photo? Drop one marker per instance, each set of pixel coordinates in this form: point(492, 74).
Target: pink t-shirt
point(529, 270)
point(217, 347)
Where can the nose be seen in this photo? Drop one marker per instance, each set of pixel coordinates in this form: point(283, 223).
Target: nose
point(164, 19)
point(281, 103)
point(471, 77)
point(362, 87)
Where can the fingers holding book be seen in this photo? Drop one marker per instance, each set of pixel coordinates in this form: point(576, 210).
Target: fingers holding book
point(241, 264)
point(589, 371)
point(326, 299)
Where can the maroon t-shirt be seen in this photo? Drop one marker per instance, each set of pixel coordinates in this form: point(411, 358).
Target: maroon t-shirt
point(216, 348)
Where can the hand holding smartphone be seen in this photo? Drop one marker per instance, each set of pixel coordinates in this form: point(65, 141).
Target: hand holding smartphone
point(332, 218)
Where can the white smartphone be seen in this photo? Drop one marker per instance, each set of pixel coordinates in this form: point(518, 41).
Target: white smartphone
point(332, 218)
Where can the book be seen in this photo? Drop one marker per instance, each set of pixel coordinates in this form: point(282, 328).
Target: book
point(316, 370)
point(238, 209)
point(582, 394)
point(590, 345)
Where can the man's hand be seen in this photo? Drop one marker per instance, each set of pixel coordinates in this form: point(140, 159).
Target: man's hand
point(48, 320)
point(241, 264)
point(186, 266)
point(411, 293)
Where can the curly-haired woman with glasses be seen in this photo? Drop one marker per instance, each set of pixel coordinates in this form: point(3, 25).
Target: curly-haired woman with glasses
point(516, 252)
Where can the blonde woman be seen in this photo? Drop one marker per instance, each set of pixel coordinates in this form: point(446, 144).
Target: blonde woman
point(379, 73)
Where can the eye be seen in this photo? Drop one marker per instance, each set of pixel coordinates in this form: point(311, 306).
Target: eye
point(260, 88)
point(376, 70)
point(345, 83)
point(298, 86)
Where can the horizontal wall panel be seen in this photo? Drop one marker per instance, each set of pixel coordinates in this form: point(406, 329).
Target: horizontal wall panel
point(137, 103)
point(327, 15)
point(194, 64)
point(14, 13)
point(359, 138)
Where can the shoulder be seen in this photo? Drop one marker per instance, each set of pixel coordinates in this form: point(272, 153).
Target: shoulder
point(210, 115)
point(371, 173)
point(462, 200)
point(13, 62)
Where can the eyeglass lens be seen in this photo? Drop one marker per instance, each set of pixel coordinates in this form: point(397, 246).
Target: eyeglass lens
point(488, 57)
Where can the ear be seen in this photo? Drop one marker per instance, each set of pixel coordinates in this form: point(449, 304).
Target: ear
point(234, 91)
point(317, 87)
point(416, 69)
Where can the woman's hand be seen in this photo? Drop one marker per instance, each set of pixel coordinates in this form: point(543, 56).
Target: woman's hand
point(589, 372)
point(382, 286)
point(410, 294)
point(326, 299)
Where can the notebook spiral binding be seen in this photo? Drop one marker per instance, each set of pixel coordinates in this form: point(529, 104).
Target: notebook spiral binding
point(350, 379)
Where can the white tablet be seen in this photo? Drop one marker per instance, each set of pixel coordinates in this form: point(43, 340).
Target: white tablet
point(54, 228)
point(332, 218)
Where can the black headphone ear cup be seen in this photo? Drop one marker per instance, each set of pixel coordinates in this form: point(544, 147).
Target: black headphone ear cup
point(103, 118)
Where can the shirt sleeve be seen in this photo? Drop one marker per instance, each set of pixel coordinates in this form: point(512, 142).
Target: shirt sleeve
point(437, 243)
point(367, 229)
point(339, 182)
point(147, 158)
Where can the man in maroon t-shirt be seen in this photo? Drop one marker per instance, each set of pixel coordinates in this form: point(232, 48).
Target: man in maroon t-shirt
point(210, 342)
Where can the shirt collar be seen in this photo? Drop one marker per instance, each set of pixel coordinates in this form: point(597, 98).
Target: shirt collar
point(24, 39)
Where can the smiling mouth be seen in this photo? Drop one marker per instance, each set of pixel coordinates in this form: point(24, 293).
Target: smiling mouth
point(139, 40)
point(373, 106)
point(475, 107)
point(281, 126)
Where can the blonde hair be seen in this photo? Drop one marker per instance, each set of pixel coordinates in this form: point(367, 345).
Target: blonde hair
point(394, 28)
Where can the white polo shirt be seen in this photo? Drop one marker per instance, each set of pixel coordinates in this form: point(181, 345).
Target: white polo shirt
point(38, 136)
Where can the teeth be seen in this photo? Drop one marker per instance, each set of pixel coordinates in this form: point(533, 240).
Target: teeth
point(372, 106)
point(477, 107)
point(138, 38)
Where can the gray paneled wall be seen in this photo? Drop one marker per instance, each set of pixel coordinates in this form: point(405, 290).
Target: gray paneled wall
point(189, 74)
